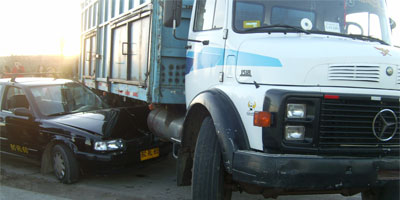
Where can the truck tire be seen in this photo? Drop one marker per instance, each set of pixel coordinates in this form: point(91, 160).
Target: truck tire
point(389, 192)
point(208, 169)
point(65, 165)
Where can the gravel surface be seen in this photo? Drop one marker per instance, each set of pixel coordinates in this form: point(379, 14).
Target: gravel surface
point(155, 180)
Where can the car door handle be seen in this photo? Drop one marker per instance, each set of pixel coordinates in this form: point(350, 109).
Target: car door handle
point(2, 123)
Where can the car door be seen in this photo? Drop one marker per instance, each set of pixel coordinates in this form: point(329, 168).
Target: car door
point(21, 131)
point(3, 138)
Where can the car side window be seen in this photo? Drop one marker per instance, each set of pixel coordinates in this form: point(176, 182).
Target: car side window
point(15, 98)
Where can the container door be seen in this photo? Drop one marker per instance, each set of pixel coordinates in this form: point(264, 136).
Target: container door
point(90, 53)
point(139, 41)
point(119, 53)
point(130, 50)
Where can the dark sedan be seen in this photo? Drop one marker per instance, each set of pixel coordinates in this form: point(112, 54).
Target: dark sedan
point(65, 126)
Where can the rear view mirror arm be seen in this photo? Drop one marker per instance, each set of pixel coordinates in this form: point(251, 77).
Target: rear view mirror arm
point(205, 42)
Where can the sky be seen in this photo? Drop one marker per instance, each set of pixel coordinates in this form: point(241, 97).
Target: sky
point(39, 27)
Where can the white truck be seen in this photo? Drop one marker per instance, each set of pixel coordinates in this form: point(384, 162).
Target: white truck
point(269, 97)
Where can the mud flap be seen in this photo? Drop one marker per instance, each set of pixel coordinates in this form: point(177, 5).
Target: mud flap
point(184, 168)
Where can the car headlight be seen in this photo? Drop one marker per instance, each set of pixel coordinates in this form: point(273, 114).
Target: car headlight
point(296, 110)
point(109, 145)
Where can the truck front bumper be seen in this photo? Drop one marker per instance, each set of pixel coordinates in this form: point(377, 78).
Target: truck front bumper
point(312, 173)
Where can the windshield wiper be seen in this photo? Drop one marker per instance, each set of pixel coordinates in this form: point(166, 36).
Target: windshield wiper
point(298, 29)
point(367, 38)
point(58, 114)
point(353, 36)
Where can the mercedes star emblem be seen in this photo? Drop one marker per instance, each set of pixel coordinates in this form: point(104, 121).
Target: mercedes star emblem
point(389, 71)
point(385, 122)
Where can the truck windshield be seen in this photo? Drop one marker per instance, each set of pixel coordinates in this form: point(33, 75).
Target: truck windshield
point(55, 100)
point(358, 19)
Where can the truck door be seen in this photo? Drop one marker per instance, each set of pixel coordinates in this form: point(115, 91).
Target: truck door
point(205, 61)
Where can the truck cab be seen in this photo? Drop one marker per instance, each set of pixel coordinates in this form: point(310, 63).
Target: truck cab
point(303, 97)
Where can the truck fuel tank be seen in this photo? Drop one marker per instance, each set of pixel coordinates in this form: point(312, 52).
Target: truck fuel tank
point(166, 124)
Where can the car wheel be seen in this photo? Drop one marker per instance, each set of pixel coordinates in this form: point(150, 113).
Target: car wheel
point(208, 169)
point(65, 164)
point(389, 192)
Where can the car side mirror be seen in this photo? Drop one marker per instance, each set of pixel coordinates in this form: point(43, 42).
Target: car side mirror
point(172, 12)
point(24, 112)
point(392, 23)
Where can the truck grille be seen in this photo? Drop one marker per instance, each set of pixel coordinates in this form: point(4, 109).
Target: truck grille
point(348, 123)
point(398, 75)
point(354, 73)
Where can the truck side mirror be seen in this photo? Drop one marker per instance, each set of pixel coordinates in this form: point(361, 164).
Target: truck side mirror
point(392, 23)
point(172, 11)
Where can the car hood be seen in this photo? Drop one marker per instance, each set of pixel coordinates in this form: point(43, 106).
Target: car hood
point(109, 123)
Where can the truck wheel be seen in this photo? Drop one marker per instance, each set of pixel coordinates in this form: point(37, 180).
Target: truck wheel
point(389, 192)
point(208, 170)
point(65, 165)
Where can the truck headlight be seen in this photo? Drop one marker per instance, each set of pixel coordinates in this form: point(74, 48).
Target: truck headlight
point(109, 145)
point(294, 132)
point(296, 110)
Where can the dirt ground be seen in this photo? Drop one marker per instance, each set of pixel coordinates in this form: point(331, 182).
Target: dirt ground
point(155, 180)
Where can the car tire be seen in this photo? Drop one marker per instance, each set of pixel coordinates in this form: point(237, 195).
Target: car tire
point(65, 165)
point(389, 192)
point(208, 169)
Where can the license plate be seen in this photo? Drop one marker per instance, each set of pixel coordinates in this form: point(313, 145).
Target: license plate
point(149, 154)
point(388, 175)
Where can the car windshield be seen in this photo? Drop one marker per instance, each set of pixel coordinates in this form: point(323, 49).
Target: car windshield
point(67, 98)
point(358, 19)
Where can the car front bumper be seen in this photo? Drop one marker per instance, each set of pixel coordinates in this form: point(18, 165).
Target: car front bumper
point(128, 156)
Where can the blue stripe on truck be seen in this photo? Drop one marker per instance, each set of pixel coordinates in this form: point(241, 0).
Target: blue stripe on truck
point(211, 57)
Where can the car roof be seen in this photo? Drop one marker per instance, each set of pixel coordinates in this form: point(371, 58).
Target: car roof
point(35, 81)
